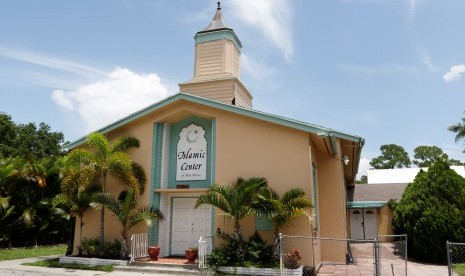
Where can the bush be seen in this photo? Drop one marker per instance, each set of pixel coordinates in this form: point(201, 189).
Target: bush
point(90, 247)
point(241, 253)
point(432, 211)
point(111, 250)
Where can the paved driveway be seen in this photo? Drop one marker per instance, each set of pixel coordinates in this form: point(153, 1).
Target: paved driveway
point(413, 269)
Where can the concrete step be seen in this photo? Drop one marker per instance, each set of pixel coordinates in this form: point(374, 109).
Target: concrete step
point(153, 267)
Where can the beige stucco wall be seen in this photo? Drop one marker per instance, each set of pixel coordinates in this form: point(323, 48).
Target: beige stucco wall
point(332, 209)
point(246, 147)
point(385, 216)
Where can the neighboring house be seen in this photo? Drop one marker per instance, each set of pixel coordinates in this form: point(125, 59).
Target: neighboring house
point(367, 209)
point(209, 133)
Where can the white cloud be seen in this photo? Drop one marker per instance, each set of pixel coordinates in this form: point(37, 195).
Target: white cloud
point(49, 62)
point(426, 60)
point(272, 17)
point(455, 73)
point(412, 4)
point(363, 166)
point(256, 69)
point(120, 93)
point(378, 69)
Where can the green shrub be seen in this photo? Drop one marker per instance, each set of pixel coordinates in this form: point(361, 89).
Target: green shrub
point(432, 211)
point(112, 250)
point(90, 247)
point(241, 253)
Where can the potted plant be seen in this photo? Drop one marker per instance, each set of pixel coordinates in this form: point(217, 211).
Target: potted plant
point(191, 254)
point(153, 252)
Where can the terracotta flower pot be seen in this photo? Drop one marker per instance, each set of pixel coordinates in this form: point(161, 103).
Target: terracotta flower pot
point(153, 252)
point(191, 255)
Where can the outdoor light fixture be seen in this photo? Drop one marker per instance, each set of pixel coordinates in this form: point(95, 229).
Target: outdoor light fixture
point(345, 158)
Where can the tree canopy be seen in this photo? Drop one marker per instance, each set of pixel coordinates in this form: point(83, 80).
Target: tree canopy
point(363, 180)
point(425, 156)
point(392, 156)
point(432, 211)
point(27, 141)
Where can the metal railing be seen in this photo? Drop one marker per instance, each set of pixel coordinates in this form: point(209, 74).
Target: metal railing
point(139, 246)
point(455, 258)
point(205, 249)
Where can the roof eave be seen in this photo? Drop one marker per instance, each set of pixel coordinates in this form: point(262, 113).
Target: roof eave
point(227, 107)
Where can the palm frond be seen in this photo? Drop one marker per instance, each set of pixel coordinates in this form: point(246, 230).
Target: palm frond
point(106, 200)
point(77, 158)
point(98, 144)
point(125, 143)
point(139, 173)
point(27, 217)
point(216, 199)
point(145, 214)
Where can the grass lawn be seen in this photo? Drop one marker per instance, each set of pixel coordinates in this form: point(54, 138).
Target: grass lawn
point(20, 253)
point(56, 263)
point(460, 269)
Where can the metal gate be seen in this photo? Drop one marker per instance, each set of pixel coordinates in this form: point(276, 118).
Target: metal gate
point(455, 258)
point(386, 255)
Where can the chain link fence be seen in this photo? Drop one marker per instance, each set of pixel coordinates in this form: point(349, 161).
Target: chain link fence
point(393, 255)
point(456, 258)
point(385, 256)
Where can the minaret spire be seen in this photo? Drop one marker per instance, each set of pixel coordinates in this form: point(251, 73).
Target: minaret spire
point(217, 65)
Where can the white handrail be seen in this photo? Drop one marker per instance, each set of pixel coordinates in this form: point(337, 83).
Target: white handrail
point(139, 246)
point(205, 249)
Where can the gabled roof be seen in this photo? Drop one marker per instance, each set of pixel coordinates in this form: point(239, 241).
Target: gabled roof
point(319, 130)
point(375, 192)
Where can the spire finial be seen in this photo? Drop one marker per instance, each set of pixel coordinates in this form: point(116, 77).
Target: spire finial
point(219, 5)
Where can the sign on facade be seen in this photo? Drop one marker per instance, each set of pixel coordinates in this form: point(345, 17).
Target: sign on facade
point(191, 154)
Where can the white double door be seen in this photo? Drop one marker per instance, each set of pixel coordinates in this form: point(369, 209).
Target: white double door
point(188, 224)
point(363, 224)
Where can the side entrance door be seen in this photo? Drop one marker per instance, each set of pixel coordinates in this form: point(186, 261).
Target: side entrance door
point(370, 224)
point(363, 224)
point(356, 224)
point(188, 224)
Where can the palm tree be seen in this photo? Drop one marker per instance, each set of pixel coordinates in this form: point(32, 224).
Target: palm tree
point(100, 159)
point(459, 129)
point(237, 200)
point(77, 202)
point(124, 208)
point(290, 205)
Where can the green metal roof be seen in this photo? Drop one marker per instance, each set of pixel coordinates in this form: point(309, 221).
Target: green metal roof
point(366, 204)
point(227, 107)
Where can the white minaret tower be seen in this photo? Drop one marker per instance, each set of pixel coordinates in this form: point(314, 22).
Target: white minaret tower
point(217, 65)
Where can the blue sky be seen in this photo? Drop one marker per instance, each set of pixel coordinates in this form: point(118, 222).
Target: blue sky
point(387, 70)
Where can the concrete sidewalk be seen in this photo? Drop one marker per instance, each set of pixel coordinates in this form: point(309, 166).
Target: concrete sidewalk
point(422, 269)
point(16, 268)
